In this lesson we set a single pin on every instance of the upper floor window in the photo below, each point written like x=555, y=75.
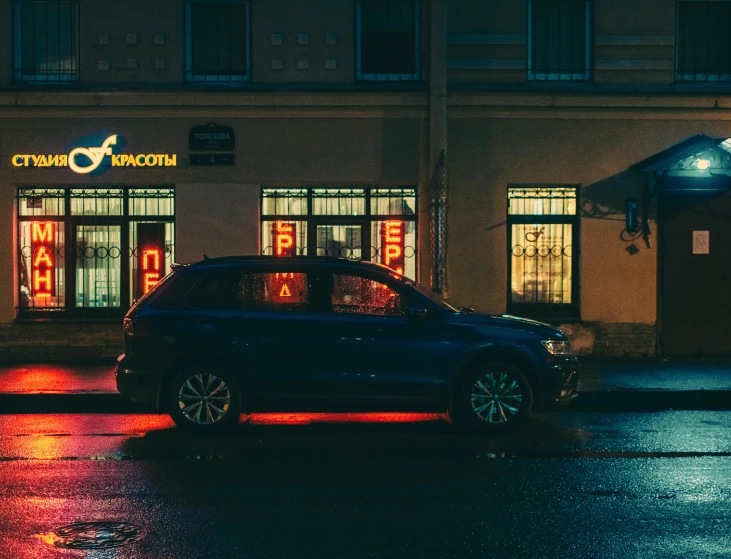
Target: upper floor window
x=702, y=50
x=388, y=39
x=46, y=40
x=217, y=41
x=559, y=40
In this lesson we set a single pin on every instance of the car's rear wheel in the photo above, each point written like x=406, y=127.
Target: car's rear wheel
x=493, y=398
x=204, y=398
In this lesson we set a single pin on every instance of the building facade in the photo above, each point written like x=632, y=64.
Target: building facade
x=555, y=159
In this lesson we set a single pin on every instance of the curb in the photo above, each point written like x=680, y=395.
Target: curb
x=608, y=401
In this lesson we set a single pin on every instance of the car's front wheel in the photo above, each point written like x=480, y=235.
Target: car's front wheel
x=493, y=398
x=204, y=398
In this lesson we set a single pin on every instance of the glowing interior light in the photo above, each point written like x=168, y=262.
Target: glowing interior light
x=703, y=164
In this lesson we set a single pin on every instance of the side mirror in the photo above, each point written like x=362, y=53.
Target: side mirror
x=416, y=311
x=466, y=310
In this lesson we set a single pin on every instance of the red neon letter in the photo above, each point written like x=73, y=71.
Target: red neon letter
x=151, y=280
x=393, y=252
x=155, y=253
x=284, y=237
x=42, y=257
x=38, y=279
x=42, y=232
x=393, y=231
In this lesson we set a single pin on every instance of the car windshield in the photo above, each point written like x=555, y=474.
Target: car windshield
x=428, y=293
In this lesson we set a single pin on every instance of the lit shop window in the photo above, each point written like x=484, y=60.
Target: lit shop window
x=90, y=252
x=375, y=224
x=543, y=231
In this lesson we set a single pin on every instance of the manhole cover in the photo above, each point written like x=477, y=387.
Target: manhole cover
x=94, y=535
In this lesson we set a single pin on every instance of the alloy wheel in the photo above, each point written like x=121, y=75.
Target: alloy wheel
x=496, y=397
x=204, y=399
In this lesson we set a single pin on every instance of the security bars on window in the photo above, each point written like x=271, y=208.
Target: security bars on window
x=217, y=41
x=388, y=37
x=46, y=40
x=81, y=251
x=542, y=233
x=358, y=223
x=559, y=40
x=702, y=51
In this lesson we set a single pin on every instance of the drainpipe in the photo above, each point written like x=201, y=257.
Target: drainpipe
x=438, y=170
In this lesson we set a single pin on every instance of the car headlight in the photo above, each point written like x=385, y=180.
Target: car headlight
x=558, y=347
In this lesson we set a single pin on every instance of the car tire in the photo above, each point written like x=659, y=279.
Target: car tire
x=204, y=398
x=492, y=397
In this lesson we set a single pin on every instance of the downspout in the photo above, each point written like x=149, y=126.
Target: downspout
x=438, y=170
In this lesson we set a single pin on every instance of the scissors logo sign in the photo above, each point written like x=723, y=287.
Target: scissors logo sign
x=96, y=156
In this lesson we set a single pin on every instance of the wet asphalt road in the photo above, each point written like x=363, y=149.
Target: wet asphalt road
x=566, y=485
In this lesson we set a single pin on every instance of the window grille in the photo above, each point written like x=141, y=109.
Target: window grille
x=217, y=46
x=375, y=224
x=89, y=252
x=702, y=51
x=543, y=226
x=388, y=40
x=47, y=40
x=559, y=40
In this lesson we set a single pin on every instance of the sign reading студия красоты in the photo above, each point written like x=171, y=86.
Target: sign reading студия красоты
x=212, y=137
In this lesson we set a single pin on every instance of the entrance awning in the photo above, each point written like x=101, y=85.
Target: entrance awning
x=699, y=156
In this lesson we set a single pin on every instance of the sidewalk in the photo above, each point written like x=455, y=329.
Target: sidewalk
x=622, y=384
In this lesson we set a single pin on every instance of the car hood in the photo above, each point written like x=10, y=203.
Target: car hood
x=512, y=322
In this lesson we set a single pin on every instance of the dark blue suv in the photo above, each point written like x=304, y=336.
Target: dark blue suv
x=228, y=336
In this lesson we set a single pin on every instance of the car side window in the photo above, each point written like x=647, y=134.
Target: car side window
x=221, y=289
x=281, y=291
x=361, y=295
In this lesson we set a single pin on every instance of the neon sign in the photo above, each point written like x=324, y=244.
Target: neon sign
x=150, y=256
x=42, y=240
x=392, y=245
x=95, y=155
x=283, y=238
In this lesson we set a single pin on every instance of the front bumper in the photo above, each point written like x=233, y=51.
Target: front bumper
x=565, y=383
x=135, y=384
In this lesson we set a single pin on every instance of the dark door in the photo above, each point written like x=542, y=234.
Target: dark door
x=696, y=272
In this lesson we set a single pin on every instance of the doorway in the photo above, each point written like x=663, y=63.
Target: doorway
x=695, y=267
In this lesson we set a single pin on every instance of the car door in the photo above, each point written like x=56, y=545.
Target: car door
x=262, y=316
x=380, y=352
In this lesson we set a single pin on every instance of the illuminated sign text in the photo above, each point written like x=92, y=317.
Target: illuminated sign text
x=42, y=263
x=95, y=156
x=150, y=256
x=283, y=238
x=392, y=245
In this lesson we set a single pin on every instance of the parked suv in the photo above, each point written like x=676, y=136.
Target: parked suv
x=228, y=336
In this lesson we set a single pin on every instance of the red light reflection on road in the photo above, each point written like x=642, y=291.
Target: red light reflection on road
x=365, y=417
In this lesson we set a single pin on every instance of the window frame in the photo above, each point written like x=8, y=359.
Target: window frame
x=383, y=77
x=57, y=78
x=549, y=312
x=687, y=77
x=366, y=220
x=70, y=222
x=218, y=79
x=586, y=76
